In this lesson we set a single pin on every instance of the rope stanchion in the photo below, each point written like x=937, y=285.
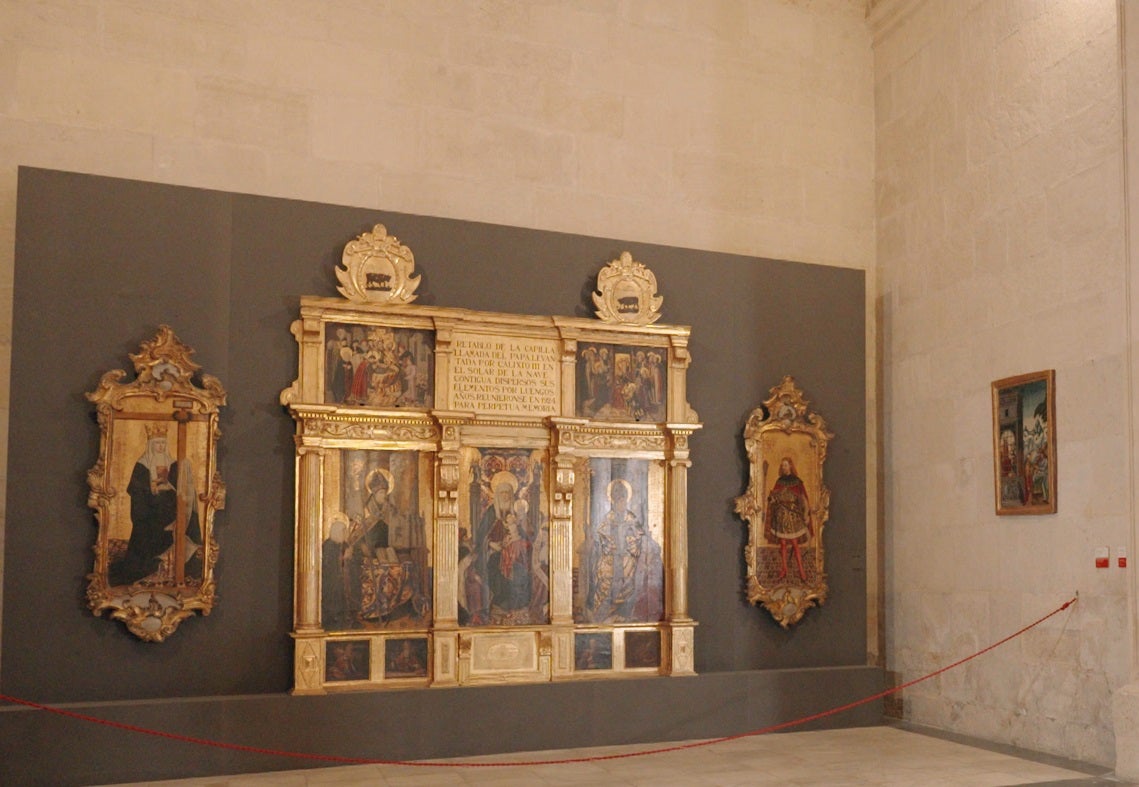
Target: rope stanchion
x=333, y=758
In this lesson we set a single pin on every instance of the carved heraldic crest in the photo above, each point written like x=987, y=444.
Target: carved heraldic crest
x=786, y=505
x=627, y=293
x=377, y=268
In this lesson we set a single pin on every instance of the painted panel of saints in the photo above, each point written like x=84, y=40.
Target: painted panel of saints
x=1025, y=444
x=618, y=547
x=621, y=382
x=377, y=366
x=375, y=558
x=504, y=560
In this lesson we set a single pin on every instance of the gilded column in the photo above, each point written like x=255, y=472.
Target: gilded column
x=444, y=352
x=307, y=534
x=561, y=548
x=308, y=651
x=681, y=626
x=446, y=635
x=561, y=567
x=678, y=409
x=307, y=333
x=569, y=378
x=561, y=542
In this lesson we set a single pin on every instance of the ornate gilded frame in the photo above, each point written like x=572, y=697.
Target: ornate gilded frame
x=496, y=401
x=155, y=490
x=786, y=505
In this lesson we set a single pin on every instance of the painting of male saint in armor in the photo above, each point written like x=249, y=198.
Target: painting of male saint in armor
x=1024, y=443
x=376, y=557
x=377, y=366
x=618, y=574
x=788, y=526
x=504, y=553
x=786, y=504
x=621, y=382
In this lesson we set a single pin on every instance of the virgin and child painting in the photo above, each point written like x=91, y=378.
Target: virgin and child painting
x=504, y=555
x=618, y=553
x=1025, y=444
x=157, y=540
x=377, y=366
x=621, y=382
x=375, y=558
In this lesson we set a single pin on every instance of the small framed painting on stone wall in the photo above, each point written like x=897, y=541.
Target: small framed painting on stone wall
x=1024, y=443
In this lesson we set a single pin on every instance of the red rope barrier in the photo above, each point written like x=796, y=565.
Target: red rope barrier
x=596, y=758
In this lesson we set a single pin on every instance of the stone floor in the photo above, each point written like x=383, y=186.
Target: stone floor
x=897, y=754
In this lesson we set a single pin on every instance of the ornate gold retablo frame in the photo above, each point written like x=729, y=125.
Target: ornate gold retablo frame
x=487, y=498
x=786, y=505
x=155, y=490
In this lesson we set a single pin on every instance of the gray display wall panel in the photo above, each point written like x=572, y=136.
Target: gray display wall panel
x=101, y=262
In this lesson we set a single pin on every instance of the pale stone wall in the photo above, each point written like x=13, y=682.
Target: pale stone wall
x=718, y=124
x=1001, y=251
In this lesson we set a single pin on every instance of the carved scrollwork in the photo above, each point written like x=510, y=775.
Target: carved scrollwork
x=610, y=440
x=291, y=394
x=368, y=430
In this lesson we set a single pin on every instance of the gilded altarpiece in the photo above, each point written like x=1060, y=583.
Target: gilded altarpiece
x=487, y=498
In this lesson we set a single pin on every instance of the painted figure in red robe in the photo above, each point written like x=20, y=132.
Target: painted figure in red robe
x=788, y=521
